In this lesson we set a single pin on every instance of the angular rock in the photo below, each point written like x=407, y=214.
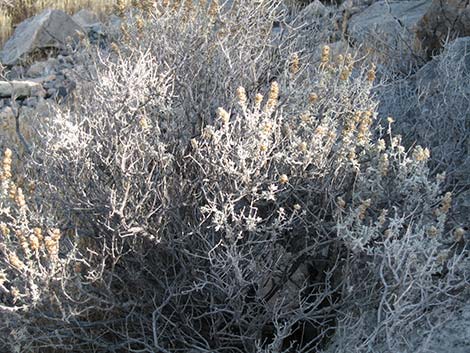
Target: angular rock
x=459, y=50
x=443, y=18
x=91, y=23
x=41, y=68
x=86, y=18
x=394, y=19
x=49, y=29
x=20, y=89
x=315, y=8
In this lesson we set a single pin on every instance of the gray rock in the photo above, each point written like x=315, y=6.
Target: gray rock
x=113, y=26
x=86, y=18
x=459, y=50
x=91, y=23
x=49, y=29
x=20, y=89
x=443, y=19
x=41, y=68
x=45, y=81
x=393, y=18
x=316, y=8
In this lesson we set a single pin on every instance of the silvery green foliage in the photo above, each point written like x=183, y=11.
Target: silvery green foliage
x=213, y=218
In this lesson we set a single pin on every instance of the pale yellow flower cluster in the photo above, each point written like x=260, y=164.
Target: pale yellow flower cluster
x=6, y=165
x=363, y=208
x=258, y=100
x=51, y=241
x=446, y=203
x=371, y=73
x=294, y=64
x=325, y=55
x=224, y=116
x=273, y=96
x=420, y=154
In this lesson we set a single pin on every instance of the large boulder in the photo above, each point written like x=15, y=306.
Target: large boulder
x=442, y=19
x=91, y=23
x=20, y=89
x=386, y=32
x=429, y=76
x=49, y=29
x=390, y=18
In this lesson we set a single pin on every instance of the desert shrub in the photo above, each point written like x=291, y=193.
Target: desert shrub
x=235, y=205
x=433, y=109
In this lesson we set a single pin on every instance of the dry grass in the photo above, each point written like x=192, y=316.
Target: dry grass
x=13, y=12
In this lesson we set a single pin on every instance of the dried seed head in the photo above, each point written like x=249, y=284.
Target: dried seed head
x=312, y=98
x=16, y=262
x=8, y=153
x=55, y=234
x=120, y=8
x=363, y=208
x=341, y=203
x=33, y=243
x=213, y=9
x=294, y=64
x=267, y=128
x=258, y=100
x=382, y=217
x=51, y=245
x=283, y=179
x=38, y=233
x=15, y=293
x=144, y=123
x=139, y=23
x=115, y=47
x=325, y=55
x=303, y=146
x=459, y=234
x=273, y=96
x=371, y=73
x=420, y=154
x=432, y=231
x=194, y=144
x=340, y=59
x=344, y=75
x=224, y=116
x=305, y=118
x=446, y=202
x=6, y=165
x=4, y=230
x=441, y=177
x=241, y=95
x=19, y=199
